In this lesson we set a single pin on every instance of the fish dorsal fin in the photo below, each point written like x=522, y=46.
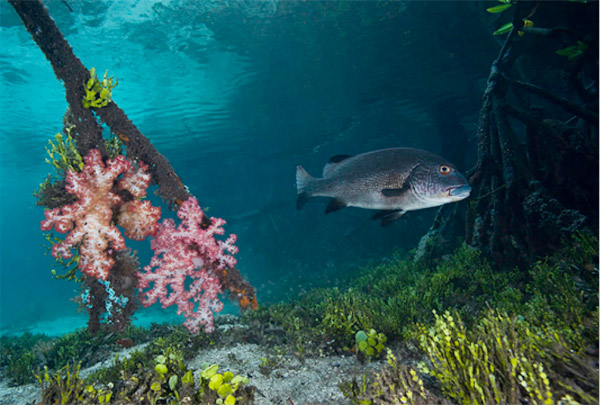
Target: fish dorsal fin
x=334, y=205
x=338, y=158
x=333, y=162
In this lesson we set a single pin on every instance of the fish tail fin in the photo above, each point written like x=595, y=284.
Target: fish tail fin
x=303, y=182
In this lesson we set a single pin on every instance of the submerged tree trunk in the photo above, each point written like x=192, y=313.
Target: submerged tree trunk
x=536, y=177
x=87, y=132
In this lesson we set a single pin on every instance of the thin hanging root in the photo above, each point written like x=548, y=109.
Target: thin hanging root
x=490, y=193
x=567, y=105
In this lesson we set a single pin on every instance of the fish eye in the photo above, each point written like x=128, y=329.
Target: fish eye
x=444, y=169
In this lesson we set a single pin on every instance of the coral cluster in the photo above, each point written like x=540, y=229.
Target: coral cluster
x=89, y=219
x=190, y=268
x=184, y=268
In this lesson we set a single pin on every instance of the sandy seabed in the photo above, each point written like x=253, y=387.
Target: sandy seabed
x=291, y=382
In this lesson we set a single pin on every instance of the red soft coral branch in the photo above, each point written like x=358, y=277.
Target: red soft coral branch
x=90, y=217
x=183, y=269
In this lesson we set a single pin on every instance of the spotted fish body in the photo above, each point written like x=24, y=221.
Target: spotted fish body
x=393, y=181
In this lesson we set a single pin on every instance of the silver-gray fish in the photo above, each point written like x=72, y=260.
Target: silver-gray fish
x=394, y=181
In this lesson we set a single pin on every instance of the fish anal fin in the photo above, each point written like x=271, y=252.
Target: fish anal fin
x=303, y=197
x=382, y=213
x=333, y=162
x=334, y=205
x=391, y=217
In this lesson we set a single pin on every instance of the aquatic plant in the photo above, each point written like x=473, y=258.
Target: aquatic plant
x=340, y=316
x=170, y=376
x=557, y=295
x=168, y=380
x=553, y=322
x=146, y=378
x=114, y=146
x=71, y=265
x=400, y=292
x=506, y=4
x=170, y=345
x=128, y=365
x=269, y=363
x=20, y=366
x=574, y=51
x=563, y=290
x=228, y=387
x=66, y=387
x=502, y=360
x=18, y=356
x=63, y=154
x=391, y=297
x=98, y=93
x=286, y=326
x=51, y=193
x=178, y=338
x=395, y=384
x=369, y=344
x=21, y=356
x=69, y=348
x=322, y=321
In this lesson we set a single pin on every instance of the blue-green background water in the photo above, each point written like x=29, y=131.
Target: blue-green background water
x=235, y=95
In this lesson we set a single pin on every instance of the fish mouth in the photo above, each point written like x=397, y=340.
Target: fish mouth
x=460, y=191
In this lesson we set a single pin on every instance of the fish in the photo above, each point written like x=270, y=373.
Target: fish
x=392, y=181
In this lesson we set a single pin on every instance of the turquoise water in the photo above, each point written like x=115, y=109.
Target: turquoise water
x=235, y=95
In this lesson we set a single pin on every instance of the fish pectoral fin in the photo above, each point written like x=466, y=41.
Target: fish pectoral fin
x=334, y=205
x=394, y=192
x=389, y=216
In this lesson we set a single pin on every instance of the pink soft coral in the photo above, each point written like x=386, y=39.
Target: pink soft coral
x=90, y=217
x=138, y=218
x=183, y=269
